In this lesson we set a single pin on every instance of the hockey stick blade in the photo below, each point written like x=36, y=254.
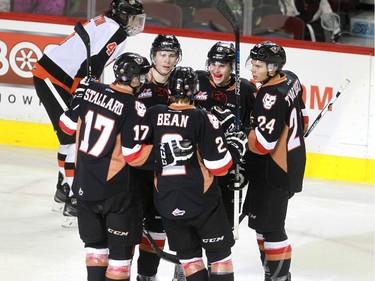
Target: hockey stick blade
x=224, y=9
x=327, y=107
x=161, y=254
x=82, y=33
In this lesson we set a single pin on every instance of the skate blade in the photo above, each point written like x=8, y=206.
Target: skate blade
x=58, y=207
x=69, y=222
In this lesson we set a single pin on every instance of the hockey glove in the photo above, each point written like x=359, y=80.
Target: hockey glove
x=237, y=145
x=175, y=153
x=225, y=117
x=242, y=180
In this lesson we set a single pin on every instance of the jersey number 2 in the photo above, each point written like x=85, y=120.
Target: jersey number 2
x=294, y=140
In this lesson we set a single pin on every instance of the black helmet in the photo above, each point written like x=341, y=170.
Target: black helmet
x=183, y=83
x=222, y=52
x=129, y=65
x=129, y=7
x=124, y=10
x=268, y=52
x=166, y=42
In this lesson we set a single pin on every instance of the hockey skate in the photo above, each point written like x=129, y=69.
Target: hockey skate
x=179, y=274
x=70, y=213
x=61, y=194
x=283, y=278
x=147, y=278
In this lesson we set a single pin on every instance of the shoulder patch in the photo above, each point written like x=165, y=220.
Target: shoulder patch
x=268, y=101
x=214, y=121
x=147, y=93
x=140, y=108
x=201, y=96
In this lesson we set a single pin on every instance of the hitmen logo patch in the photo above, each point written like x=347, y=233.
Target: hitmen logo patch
x=214, y=121
x=269, y=101
x=140, y=108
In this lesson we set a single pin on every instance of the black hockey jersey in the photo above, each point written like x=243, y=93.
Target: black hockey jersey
x=104, y=117
x=154, y=93
x=180, y=189
x=210, y=95
x=277, y=144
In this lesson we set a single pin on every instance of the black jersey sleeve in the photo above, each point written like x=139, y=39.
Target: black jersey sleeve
x=212, y=145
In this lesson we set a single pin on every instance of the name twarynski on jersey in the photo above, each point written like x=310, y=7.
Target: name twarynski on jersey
x=104, y=101
x=293, y=91
x=171, y=119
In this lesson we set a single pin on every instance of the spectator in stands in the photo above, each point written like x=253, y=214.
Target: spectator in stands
x=44, y=7
x=4, y=5
x=310, y=12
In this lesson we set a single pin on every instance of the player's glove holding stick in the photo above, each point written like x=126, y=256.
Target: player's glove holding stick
x=237, y=145
x=225, y=117
x=175, y=153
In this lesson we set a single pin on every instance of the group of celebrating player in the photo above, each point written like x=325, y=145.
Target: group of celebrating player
x=158, y=148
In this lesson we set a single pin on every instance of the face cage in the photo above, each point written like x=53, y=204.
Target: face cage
x=135, y=24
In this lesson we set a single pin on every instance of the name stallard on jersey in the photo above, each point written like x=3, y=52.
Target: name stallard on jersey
x=102, y=100
x=172, y=119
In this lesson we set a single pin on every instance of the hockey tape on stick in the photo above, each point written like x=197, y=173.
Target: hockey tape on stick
x=161, y=254
x=56, y=94
x=224, y=9
x=327, y=107
x=82, y=33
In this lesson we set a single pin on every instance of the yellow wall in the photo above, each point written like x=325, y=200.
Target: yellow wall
x=340, y=168
x=318, y=165
x=28, y=134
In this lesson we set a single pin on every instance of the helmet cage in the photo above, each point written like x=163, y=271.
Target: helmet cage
x=130, y=15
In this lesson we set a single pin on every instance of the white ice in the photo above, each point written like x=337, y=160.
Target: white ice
x=330, y=226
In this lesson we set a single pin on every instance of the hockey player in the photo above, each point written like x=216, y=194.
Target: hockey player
x=109, y=207
x=188, y=197
x=59, y=71
x=165, y=54
x=217, y=94
x=276, y=162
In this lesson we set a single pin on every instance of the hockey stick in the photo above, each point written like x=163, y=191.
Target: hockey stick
x=224, y=9
x=82, y=33
x=163, y=255
x=327, y=107
x=56, y=94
